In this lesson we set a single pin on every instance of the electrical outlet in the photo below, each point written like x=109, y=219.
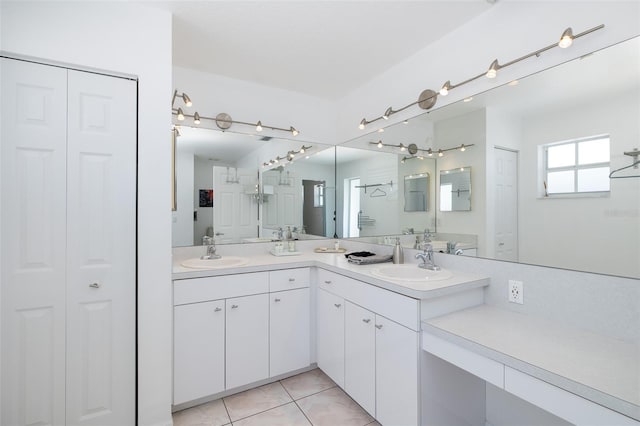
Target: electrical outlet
x=516, y=292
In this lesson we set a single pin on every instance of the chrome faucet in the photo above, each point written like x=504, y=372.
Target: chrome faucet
x=428, y=261
x=210, y=242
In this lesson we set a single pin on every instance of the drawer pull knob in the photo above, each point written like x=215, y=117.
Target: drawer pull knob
x=379, y=326
x=291, y=280
x=218, y=309
x=94, y=285
x=366, y=320
x=276, y=300
x=337, y=305
x=327, y=282
x=234, y=306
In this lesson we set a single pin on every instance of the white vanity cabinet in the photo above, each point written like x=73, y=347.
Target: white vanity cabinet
x=247, y=340
x=330, y=335
x=289, y=320
x=198, y=343
x=372, y=357
x=220, y=334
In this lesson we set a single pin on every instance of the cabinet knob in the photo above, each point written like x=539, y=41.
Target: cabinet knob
x=337, y=305
x=327, y=281
x=94, y=285
x=217, y=309
x=234, y=306
x=291, y=280
x=366, y=320
x=276, y=300
x=379, y=326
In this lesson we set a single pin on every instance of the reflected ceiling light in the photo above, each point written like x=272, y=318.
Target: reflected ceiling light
x=427, y=98
x=196, y=118
x=463, y=148
x=259, y=126
x=302, y=150
x=513, y=83
x=405, y=122
x=492, y=72
x=293, y=130
x=566, y=39
x=402, y=147
x=380, y=144
x=187, y=100
x=180, y=115
x=468, y=99
x=445, y=89
x=381, y=130
x=430, y=152
x=440, y=153
x=403, y=160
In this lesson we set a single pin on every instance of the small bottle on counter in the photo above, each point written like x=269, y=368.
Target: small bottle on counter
x=336, y=245
x=398, y=253
x=292, y=245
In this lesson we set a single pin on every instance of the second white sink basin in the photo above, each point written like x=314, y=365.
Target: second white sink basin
x=410, y=272
x=223, y=262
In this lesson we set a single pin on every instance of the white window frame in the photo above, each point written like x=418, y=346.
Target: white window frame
x=575, y=167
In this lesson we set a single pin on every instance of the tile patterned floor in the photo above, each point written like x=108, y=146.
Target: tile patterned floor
x=308, y=399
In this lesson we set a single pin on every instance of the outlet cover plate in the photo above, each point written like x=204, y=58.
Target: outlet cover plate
x=516, y=292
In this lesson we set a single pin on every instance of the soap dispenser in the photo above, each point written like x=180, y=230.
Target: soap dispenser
x=398, y=254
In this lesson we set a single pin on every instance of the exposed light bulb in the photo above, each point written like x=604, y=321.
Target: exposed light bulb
x=379, y=144
x=291, y=155
x=430, y=152
x=566, y=39
x=259, y=126
x=402, y=148
x=276, y=160
x=187, y=100
x=468, y=99
x=180, y=115
x=493, y=69
x=405, y=122
x=196, y=118
x=362, y=124
x=302, y=150
x=463, y=148
x=293, y=131
x=402, y=161
x=445, y=88
x=387, y=113
x=420, y=157
x=440, y=153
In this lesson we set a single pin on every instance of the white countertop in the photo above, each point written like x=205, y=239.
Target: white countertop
x=599, y=368
x=338, y=263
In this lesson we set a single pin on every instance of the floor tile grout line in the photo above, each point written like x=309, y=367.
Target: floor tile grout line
x=315, y=393
x=224, y=404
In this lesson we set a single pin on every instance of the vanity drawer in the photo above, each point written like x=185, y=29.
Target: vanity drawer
x=396, y=307
x=221, y=287
x=289, y=279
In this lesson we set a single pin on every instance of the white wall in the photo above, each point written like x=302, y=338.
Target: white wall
x=125, y=38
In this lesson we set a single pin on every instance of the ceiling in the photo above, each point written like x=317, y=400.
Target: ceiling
x=321, y=48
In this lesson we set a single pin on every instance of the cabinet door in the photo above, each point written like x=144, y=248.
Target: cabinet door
x=359, y=356
x=33, y=228
x=247, y=339
x=330, y=336
x=289, y=331
x=198, y=350
x=396, y=373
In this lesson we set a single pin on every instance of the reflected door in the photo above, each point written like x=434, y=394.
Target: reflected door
x=313, y=212
x=235, y=214
x=506, y=208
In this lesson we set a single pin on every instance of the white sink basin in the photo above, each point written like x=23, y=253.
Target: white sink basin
x=223, y=262
x=410, y=273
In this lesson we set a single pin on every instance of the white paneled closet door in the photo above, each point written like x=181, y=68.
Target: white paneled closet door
x=33, y=287
x=68, y=246
x=101, y=249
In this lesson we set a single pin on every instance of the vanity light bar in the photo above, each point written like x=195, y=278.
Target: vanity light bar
x=224, y=121
x=413, y=149
x=289, y=157
x=427, y=98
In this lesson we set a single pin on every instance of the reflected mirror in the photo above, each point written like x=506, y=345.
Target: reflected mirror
x=416, y=196
x=225, y=187
x=455, y=190
x=512, y=214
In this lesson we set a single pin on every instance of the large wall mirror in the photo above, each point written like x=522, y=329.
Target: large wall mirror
x=229, y=186
x=593, y=226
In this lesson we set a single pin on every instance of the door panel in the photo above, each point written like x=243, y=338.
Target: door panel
x=506, y=208
x=360, y=356
x=289, y=347
x=33, y=163
x=330, y=335
x=101, y=288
